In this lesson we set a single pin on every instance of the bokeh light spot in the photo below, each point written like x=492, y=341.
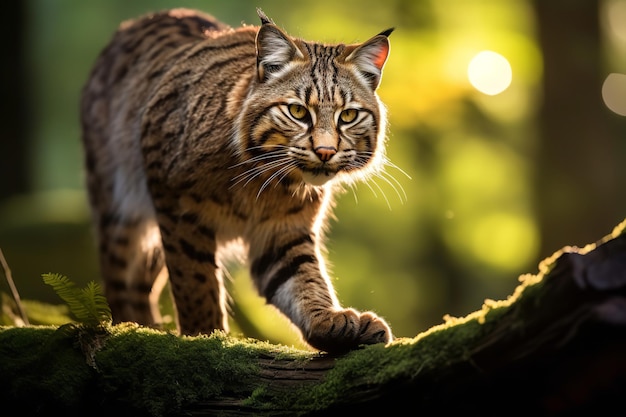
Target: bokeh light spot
x=614, y=93
x=614, y=15
x=489, y=72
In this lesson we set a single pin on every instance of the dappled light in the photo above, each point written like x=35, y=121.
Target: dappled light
x=614, y=93
x=500, y=240
x=614, y=16
x=490, y=226
x=489, y=72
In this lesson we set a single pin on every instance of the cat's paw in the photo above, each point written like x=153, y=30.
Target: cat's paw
x=343, y=330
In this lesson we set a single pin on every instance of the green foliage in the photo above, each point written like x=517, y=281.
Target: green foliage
x=88, y=305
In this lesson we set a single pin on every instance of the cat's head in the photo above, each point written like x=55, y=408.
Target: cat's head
x=312, y=113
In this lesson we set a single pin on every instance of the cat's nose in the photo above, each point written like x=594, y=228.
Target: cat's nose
x=324, y=153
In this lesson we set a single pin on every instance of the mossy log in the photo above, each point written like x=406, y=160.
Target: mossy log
x=556, y=346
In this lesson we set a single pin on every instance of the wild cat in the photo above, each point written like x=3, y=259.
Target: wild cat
x=197, y=135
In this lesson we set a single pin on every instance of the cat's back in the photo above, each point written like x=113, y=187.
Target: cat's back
x=150, y=40
x=144, y=51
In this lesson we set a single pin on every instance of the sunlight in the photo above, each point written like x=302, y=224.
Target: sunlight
x=613, y=14
x=489, y=72
x=614, y=93
x=504, y=240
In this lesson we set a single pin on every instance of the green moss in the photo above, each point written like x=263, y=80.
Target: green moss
x=42, y=369
x=402, y=360
x=160, y=372
x=140, y=369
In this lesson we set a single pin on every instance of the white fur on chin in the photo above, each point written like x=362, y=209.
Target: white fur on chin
x=317, y=179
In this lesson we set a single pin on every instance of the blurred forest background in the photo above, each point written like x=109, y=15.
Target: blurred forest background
x=510, y=157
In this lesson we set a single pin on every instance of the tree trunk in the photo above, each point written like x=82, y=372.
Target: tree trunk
x=580, y=168
x=14, y=117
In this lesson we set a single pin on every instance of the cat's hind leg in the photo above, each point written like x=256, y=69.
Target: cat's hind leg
x=132, y=261
x=133, y=269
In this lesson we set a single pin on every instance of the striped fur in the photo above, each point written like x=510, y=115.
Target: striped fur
x=198, y=135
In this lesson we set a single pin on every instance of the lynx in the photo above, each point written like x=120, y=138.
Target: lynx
x=198, y=136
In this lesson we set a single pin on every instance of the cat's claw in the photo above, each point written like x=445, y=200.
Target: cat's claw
x=344, y=330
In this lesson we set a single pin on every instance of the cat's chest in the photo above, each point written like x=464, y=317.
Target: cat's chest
x=237, y=211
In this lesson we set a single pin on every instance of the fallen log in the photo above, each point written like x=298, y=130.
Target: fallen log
x=556, y=346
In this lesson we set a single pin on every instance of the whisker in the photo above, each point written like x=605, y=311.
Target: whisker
x=286, y=169
x=297, y=189
x=385, y=162
x=382, y=192
x=267, y=147
x=371, y=188
x=267, y=182
x=262, y=168
x=260, y=158
x=385, y=177
x=254, y=172
x=392, y=165
x=353, y=189
x=390, y=177
x=266, y=169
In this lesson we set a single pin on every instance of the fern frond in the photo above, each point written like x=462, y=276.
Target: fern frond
x=65, y=289
x=88, y=305
x=95, y=304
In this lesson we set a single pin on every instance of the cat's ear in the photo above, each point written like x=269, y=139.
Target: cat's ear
x=369, y=58
x=274, y=49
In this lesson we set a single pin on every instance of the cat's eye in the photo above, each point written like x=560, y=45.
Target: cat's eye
x=297, y=111
x=348, y=115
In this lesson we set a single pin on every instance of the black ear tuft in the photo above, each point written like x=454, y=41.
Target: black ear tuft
x=387, y=32
x=264, y=19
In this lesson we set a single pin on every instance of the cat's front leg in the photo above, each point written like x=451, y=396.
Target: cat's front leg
x=292, y=277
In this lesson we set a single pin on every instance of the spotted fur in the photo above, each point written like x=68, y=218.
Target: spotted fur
x=198, y=135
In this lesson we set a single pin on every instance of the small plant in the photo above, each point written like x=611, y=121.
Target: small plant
x=88, y=305
x=91, y=310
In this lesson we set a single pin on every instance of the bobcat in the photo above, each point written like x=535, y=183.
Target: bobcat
x=198, y=135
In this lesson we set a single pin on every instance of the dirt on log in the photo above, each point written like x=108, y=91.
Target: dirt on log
x=555, y=347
